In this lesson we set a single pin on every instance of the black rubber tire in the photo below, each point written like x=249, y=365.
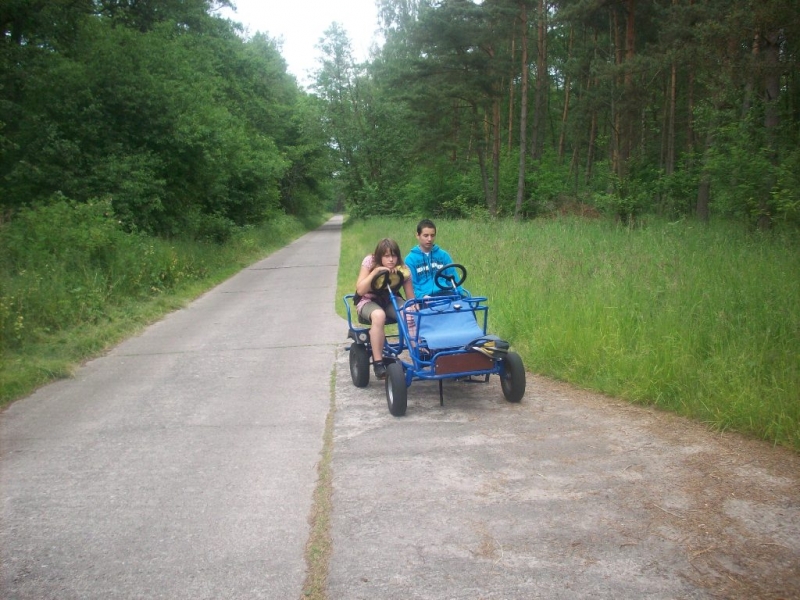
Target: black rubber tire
x=512, y=379
x=396, y=389
x=359, y=365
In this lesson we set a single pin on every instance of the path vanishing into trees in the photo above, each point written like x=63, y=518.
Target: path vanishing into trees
x=182, y=464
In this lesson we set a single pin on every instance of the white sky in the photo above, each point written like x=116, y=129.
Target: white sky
x=301, y=23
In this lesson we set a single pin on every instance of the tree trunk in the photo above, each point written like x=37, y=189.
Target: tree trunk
x=616, y=140
x=546, y=83
x=690, y=108
x=673, y=95
x=541, y=77
x=590, y=149
x=565, y=113
x=511, y=93
x=495, y=155
x=772, y=89
x=479, y=146
x=750, y=85
x=662, y=158
x=690, y=113
x=629, y=113
x=523, y=117
x=456, y=128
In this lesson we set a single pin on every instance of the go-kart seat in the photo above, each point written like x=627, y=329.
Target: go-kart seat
x=451, y=325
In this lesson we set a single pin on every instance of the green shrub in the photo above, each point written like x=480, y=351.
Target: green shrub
x=69, y=233
x=73, y=282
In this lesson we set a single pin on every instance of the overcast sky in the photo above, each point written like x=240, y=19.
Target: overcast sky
x=301, y=24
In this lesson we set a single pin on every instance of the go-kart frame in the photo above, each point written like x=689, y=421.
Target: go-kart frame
x=438, y=337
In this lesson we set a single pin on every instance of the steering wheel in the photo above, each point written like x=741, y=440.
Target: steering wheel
x=383, y=280
x=445, y=281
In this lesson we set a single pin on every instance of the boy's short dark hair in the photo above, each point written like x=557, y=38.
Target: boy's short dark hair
x=425, y=223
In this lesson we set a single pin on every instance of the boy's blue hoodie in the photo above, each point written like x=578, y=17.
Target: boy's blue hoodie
x=424, y=266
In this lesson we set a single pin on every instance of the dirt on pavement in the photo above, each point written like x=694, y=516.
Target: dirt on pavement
x=731, y=504
x=569, y=494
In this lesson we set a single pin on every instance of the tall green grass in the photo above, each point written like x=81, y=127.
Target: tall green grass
x=702, y=321
x=72, y=283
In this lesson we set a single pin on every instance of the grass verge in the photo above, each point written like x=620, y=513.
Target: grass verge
x=318, y=548
x=53, y=339
x=701, y=321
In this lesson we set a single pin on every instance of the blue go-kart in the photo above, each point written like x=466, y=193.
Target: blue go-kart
x=438, y=337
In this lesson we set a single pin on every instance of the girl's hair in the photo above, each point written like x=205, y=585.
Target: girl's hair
x=387, y=245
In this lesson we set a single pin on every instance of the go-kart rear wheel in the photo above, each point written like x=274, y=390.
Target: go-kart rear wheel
x=359, y=365
x=512, y=379
x=396, y=390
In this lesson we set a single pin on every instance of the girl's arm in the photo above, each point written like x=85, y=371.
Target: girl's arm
x=365, y=277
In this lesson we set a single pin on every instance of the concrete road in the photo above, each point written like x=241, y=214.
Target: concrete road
x=567, y=495
x=182, y=464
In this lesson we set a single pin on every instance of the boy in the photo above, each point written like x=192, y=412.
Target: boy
x=425, y=259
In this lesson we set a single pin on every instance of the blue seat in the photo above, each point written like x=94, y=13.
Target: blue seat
x=446, y=326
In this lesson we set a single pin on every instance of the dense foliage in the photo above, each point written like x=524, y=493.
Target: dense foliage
x=73, y=282
x=146, y=150
x=158, y=108
x=518, y=107
x=499, y=107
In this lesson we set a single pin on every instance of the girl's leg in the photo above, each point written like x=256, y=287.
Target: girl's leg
x=377, y=335
x=376, y=316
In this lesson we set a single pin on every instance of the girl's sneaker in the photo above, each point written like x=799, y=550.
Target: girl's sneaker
x=380, y=370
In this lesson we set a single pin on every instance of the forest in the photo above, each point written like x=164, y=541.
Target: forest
x=679, y=108
x=158, y=108
x=501, y=108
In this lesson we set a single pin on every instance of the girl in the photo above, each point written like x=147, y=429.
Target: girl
x=374, y=307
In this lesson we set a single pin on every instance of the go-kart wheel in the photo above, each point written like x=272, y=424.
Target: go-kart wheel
x=446, y=281
x=359, y=365
x=512, y=377
x=396, y=390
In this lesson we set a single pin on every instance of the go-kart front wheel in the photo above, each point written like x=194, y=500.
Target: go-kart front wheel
x=359, y=365
x=396, y=389
x=512, y=378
